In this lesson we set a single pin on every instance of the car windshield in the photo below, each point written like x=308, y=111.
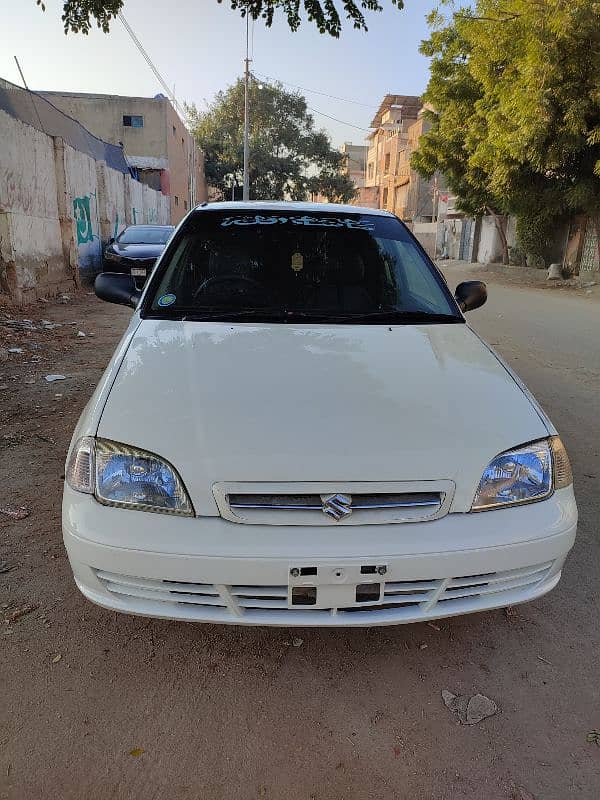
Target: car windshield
x=142, y=234
x=284, y=266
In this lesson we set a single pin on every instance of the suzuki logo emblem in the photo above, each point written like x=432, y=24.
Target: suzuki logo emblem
x=337, y=506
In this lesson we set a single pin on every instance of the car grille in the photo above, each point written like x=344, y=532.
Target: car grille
x=144, y=263
x=345, y=508
x=395, y=600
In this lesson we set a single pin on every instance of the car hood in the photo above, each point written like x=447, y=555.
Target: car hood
x=229, y=402
x=138, y=250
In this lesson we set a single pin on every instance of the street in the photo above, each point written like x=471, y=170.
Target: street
x=99, y=705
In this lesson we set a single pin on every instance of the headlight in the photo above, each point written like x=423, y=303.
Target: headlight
x=110, y=256
x=120, y=475
x=524, y=475
x=80, y=466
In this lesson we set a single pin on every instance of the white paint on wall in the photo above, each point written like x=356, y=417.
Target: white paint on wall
x=490, y=244
x=43, y=249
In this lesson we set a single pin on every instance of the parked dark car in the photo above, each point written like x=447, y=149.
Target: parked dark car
x=136, y=249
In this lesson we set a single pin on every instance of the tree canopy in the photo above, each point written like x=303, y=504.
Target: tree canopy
x=289, y=157
x=515, y=93
x=80, y=15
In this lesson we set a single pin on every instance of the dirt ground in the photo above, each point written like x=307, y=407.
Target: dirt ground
x=98, y=705
x=583, y=285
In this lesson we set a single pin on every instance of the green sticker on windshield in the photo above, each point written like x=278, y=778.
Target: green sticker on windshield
x=166, y=300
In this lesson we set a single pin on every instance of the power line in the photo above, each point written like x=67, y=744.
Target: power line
x=148, y=60
x=175, y=102
x=323, y=94
x=341, y=121
x=323, y=114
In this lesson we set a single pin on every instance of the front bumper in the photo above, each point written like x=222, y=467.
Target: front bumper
x=126, y=267
x=211, y=570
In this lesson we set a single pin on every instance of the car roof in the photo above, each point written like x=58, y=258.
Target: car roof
x=289, y=205
x=150, y=225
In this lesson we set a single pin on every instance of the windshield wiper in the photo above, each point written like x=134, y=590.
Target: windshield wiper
x=388, y=316
x=224, y=315
x=278, y=314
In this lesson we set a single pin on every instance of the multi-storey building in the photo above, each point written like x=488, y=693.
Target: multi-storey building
x=397, y=127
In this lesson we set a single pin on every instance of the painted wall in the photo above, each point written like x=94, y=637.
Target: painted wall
x=135, y=203
x=426, y=233
x=82, y=202
x=112, y=186
x=30, y=238
x=58, y=209
x=490, y=244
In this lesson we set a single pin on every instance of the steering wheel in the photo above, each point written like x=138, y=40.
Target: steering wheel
x=217, y=279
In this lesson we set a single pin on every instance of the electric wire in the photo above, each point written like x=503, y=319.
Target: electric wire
x=316, y=110
x=316, y=91
x=148, y=60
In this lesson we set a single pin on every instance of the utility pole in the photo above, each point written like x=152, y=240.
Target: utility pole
x=246, y=193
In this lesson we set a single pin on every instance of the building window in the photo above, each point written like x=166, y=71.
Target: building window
x=176, y=200
x=174, y=130
x=132, y=121
x=386, y=166
x=182, y=142
x=385, y=197
x=185, y=204
x=370, y=170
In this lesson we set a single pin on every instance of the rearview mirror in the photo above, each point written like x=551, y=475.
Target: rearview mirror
x=116, y=287
x=470, y=295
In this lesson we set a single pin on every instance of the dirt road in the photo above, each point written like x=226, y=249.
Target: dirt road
x=96, y=705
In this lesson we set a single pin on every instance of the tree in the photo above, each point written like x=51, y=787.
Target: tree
x=288, y=157
x=79, y=15
x=516, y=89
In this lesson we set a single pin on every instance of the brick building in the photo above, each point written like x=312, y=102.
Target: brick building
x=397, y=127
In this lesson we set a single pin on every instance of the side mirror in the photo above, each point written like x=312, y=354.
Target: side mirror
x=470, y=295
x=116, y=287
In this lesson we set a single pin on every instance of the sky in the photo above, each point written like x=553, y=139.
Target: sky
x=198, y=47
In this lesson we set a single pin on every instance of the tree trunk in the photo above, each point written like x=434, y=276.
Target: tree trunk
x=498, y=219
x=596, y=220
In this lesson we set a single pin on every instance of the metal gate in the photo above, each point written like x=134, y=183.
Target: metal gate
x=590, y=261
x=464, y=251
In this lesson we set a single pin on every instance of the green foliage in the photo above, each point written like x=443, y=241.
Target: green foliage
x=288, y=157
x=323, y=13
x=516, y=89
x=79, y=15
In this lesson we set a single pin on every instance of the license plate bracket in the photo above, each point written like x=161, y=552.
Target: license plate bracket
x=335, y=586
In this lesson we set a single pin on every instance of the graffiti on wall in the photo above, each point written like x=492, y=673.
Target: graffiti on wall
x=87, y=232
x=83, y=218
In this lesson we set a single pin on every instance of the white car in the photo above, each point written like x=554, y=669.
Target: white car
x=300, y=428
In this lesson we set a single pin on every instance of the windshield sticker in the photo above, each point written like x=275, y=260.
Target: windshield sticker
x=297, y=262
x=166, y=300
x=306, y=221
